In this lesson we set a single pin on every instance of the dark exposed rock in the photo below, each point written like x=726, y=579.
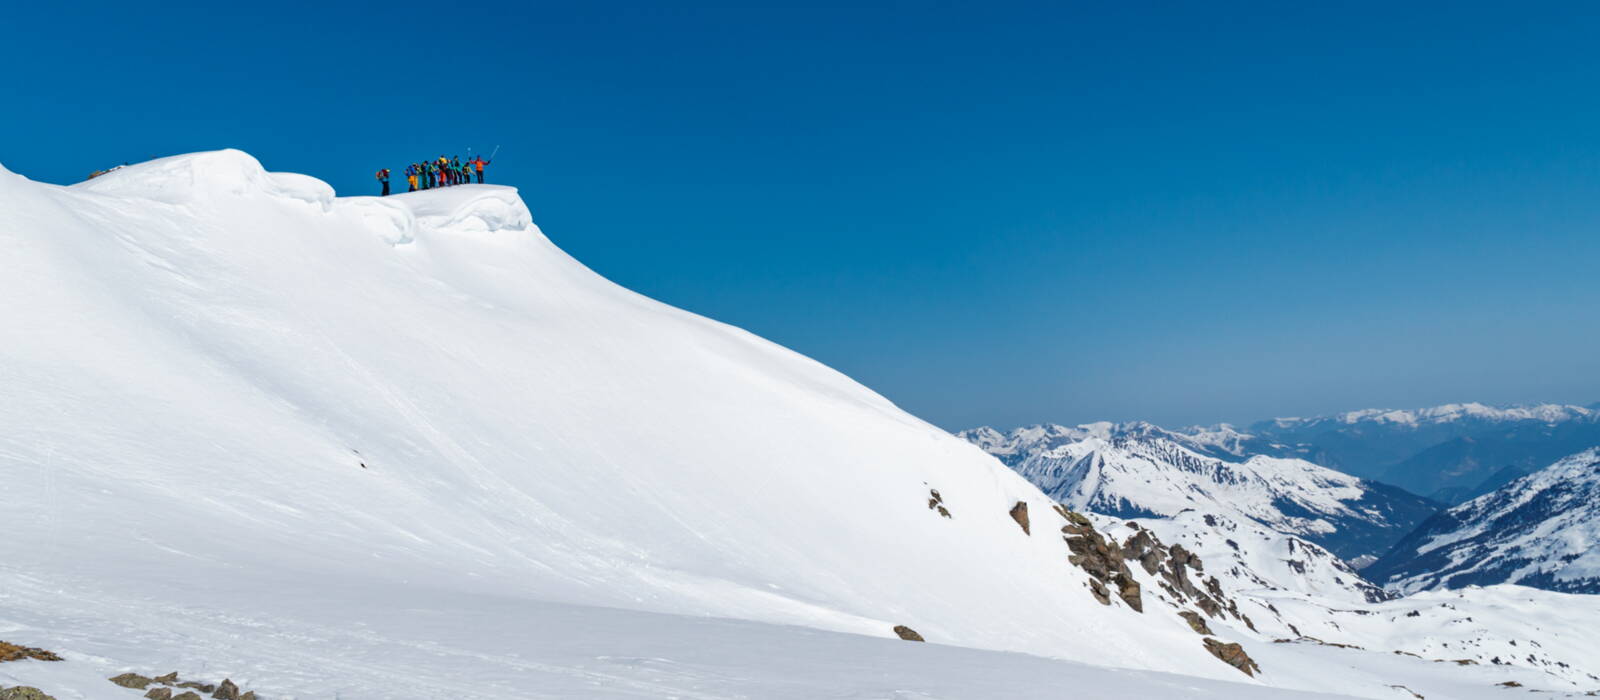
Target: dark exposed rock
x=1196, y=622
x=1128, y=591
x=187, y=695
x=936, y=503
x=132, y=680
x=1019, y=513
x=1233, y=655
x=248, y=696
x=226, y=691
x=202, y=687
x=24, y=692
x=168, y=679
x=159, y=693
x=908, y=634
x=1098, y=590
x=16, y=652
x=1102, y=559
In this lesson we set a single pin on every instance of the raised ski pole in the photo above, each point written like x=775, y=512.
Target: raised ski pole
x=496, y=150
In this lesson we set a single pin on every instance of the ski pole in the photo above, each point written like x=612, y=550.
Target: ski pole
x=496, y=150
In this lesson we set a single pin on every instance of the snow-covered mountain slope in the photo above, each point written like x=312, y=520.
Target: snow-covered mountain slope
x=1251, y=558
x=229, y=389
x=1133, y=471
x=1537, y=531
x=1449, y=453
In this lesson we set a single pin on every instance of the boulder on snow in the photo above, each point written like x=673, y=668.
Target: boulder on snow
x=1019, y=513
x=159, y=693
x=226, y=691
x=132, y=680
x=251, y=695
x=1233, y=655
x=17, y=652
x=936, y=502
x=202, y=687
x=168, y=679
x=187, y=695
x=908, y=634
x=23, y=692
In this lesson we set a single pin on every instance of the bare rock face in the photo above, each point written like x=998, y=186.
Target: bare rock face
x=1196, y=622
x=169, y=679
x=132, y=680
x=1177, y=569
x=1019, y=513
x=226, y=691
x=24, y=692
x=1101, y=558
x=1233, y=655
x=159, y=693
x=17, y=652
x=187, y=695
x=908, y=634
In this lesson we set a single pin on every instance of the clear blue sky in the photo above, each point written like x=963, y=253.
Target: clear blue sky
x=991, y=213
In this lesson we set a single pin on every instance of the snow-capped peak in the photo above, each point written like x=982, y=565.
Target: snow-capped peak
x=1548, y=413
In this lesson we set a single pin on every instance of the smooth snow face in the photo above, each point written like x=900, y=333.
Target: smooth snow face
x=219, y=378
x=1138, y=470
x=1539, y=530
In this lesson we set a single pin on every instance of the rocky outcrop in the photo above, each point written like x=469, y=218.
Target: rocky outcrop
x=1019, y=513
x=167, y=685
x=226, y=691
x=1102, y=559
x=24, y=692
x=936, y=503
x=1233, y=655
x=1196, y=623
x=908, y=634
x=132, y=680
x=1177, y=569
x=17, y=652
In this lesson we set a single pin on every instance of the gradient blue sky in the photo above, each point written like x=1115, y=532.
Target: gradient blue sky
x=992, y=213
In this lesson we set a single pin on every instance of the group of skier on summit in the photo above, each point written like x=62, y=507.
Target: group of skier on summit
x=440, y=172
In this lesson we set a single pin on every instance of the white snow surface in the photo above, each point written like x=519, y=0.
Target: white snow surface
x=405, y=447
x=227, y=381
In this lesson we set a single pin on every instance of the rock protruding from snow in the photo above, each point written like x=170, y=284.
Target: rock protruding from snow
x=1541, y=530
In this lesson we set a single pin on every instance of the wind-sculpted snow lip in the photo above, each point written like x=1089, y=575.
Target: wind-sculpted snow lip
x=198, y=177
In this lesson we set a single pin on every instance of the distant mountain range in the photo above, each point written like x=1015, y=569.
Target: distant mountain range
x=1449, y=453
x=1140, y=470
x=1539, y=530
